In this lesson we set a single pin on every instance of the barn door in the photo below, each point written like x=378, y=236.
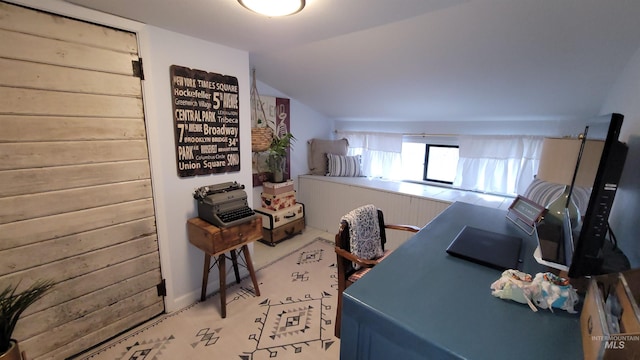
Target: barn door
x=76, y=202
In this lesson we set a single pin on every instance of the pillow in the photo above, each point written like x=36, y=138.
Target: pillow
x=339, y=165
x=543, y=192
x=318, y=149
x=581, y=197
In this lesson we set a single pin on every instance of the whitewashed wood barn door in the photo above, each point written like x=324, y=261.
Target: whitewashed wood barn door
x=76, y=203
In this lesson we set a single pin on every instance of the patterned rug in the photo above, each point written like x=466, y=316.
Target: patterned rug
x=292, y=319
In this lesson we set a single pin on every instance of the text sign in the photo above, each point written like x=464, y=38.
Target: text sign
x=206, y=118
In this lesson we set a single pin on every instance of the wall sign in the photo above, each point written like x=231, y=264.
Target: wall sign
x=278, y=118
x=206, y=117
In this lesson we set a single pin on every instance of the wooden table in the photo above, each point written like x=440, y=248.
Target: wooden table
x=216, y=242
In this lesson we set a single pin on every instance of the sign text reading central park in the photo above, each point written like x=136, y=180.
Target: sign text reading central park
x=206, y=119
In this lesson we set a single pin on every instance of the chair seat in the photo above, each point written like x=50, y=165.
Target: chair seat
x=361, y=272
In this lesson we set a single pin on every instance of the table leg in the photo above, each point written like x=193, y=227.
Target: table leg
x=222, y=269
x=234, y=259
x=205, y=276
x=247, y=258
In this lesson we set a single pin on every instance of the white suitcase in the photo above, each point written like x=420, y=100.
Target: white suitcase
x=272, y=219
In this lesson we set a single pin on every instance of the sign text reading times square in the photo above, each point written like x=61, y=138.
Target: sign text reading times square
x=196, y=107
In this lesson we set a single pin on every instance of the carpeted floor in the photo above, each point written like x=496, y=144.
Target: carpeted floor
x=292, y=319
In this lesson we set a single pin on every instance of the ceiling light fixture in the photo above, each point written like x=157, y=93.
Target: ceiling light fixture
x=273, y=7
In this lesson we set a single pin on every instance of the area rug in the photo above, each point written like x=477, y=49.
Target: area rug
x=292, y=319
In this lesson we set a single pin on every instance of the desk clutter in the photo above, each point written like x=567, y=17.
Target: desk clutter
x=282, y=215
x=545, y=290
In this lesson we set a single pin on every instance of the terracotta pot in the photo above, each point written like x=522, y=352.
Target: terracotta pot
x=13, y=353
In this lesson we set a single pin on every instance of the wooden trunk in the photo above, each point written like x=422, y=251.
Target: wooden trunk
x=214, y=240
x=274, y=236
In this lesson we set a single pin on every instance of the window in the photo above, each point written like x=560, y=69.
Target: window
x=441, y=163
x=427, y=159
x=496, y=164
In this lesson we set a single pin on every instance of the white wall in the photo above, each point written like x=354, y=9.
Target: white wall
x=623, y=98
x=181, y=263
x=625, y=215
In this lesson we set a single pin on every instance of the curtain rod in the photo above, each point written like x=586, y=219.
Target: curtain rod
x=403, y=134
x=445, y=135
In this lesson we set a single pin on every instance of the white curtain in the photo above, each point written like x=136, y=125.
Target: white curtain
x=497, y=164
x=381, y=153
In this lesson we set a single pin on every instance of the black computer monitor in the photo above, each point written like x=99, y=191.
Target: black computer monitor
x=589, y=241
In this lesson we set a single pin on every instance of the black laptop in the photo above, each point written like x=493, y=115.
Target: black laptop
x=488, y=248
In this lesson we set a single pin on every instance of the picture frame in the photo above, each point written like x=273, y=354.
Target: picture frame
x=525, y=213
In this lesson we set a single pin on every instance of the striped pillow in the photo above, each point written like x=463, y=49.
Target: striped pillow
x=543, y=192
x=339, y=165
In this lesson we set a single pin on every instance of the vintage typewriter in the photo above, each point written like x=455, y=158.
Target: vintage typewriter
x=223, y=204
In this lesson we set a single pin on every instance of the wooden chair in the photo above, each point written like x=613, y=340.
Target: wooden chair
x=347, y=275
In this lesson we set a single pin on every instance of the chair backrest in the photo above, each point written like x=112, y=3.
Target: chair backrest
x=344, y=242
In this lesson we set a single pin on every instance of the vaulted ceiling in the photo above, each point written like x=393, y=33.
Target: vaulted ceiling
x=421, y=60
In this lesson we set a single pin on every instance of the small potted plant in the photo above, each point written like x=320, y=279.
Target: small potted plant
x=277, y=160
x=12, y=305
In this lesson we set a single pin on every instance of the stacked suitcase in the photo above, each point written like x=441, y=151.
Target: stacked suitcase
x=282, y=215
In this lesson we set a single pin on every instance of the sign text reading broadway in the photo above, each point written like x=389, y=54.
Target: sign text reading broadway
x=206, y=118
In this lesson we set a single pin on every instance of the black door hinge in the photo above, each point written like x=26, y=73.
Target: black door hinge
x=162, y=288
x=137, y=68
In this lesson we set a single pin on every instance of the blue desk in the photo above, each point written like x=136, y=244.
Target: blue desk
x=421, y=303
